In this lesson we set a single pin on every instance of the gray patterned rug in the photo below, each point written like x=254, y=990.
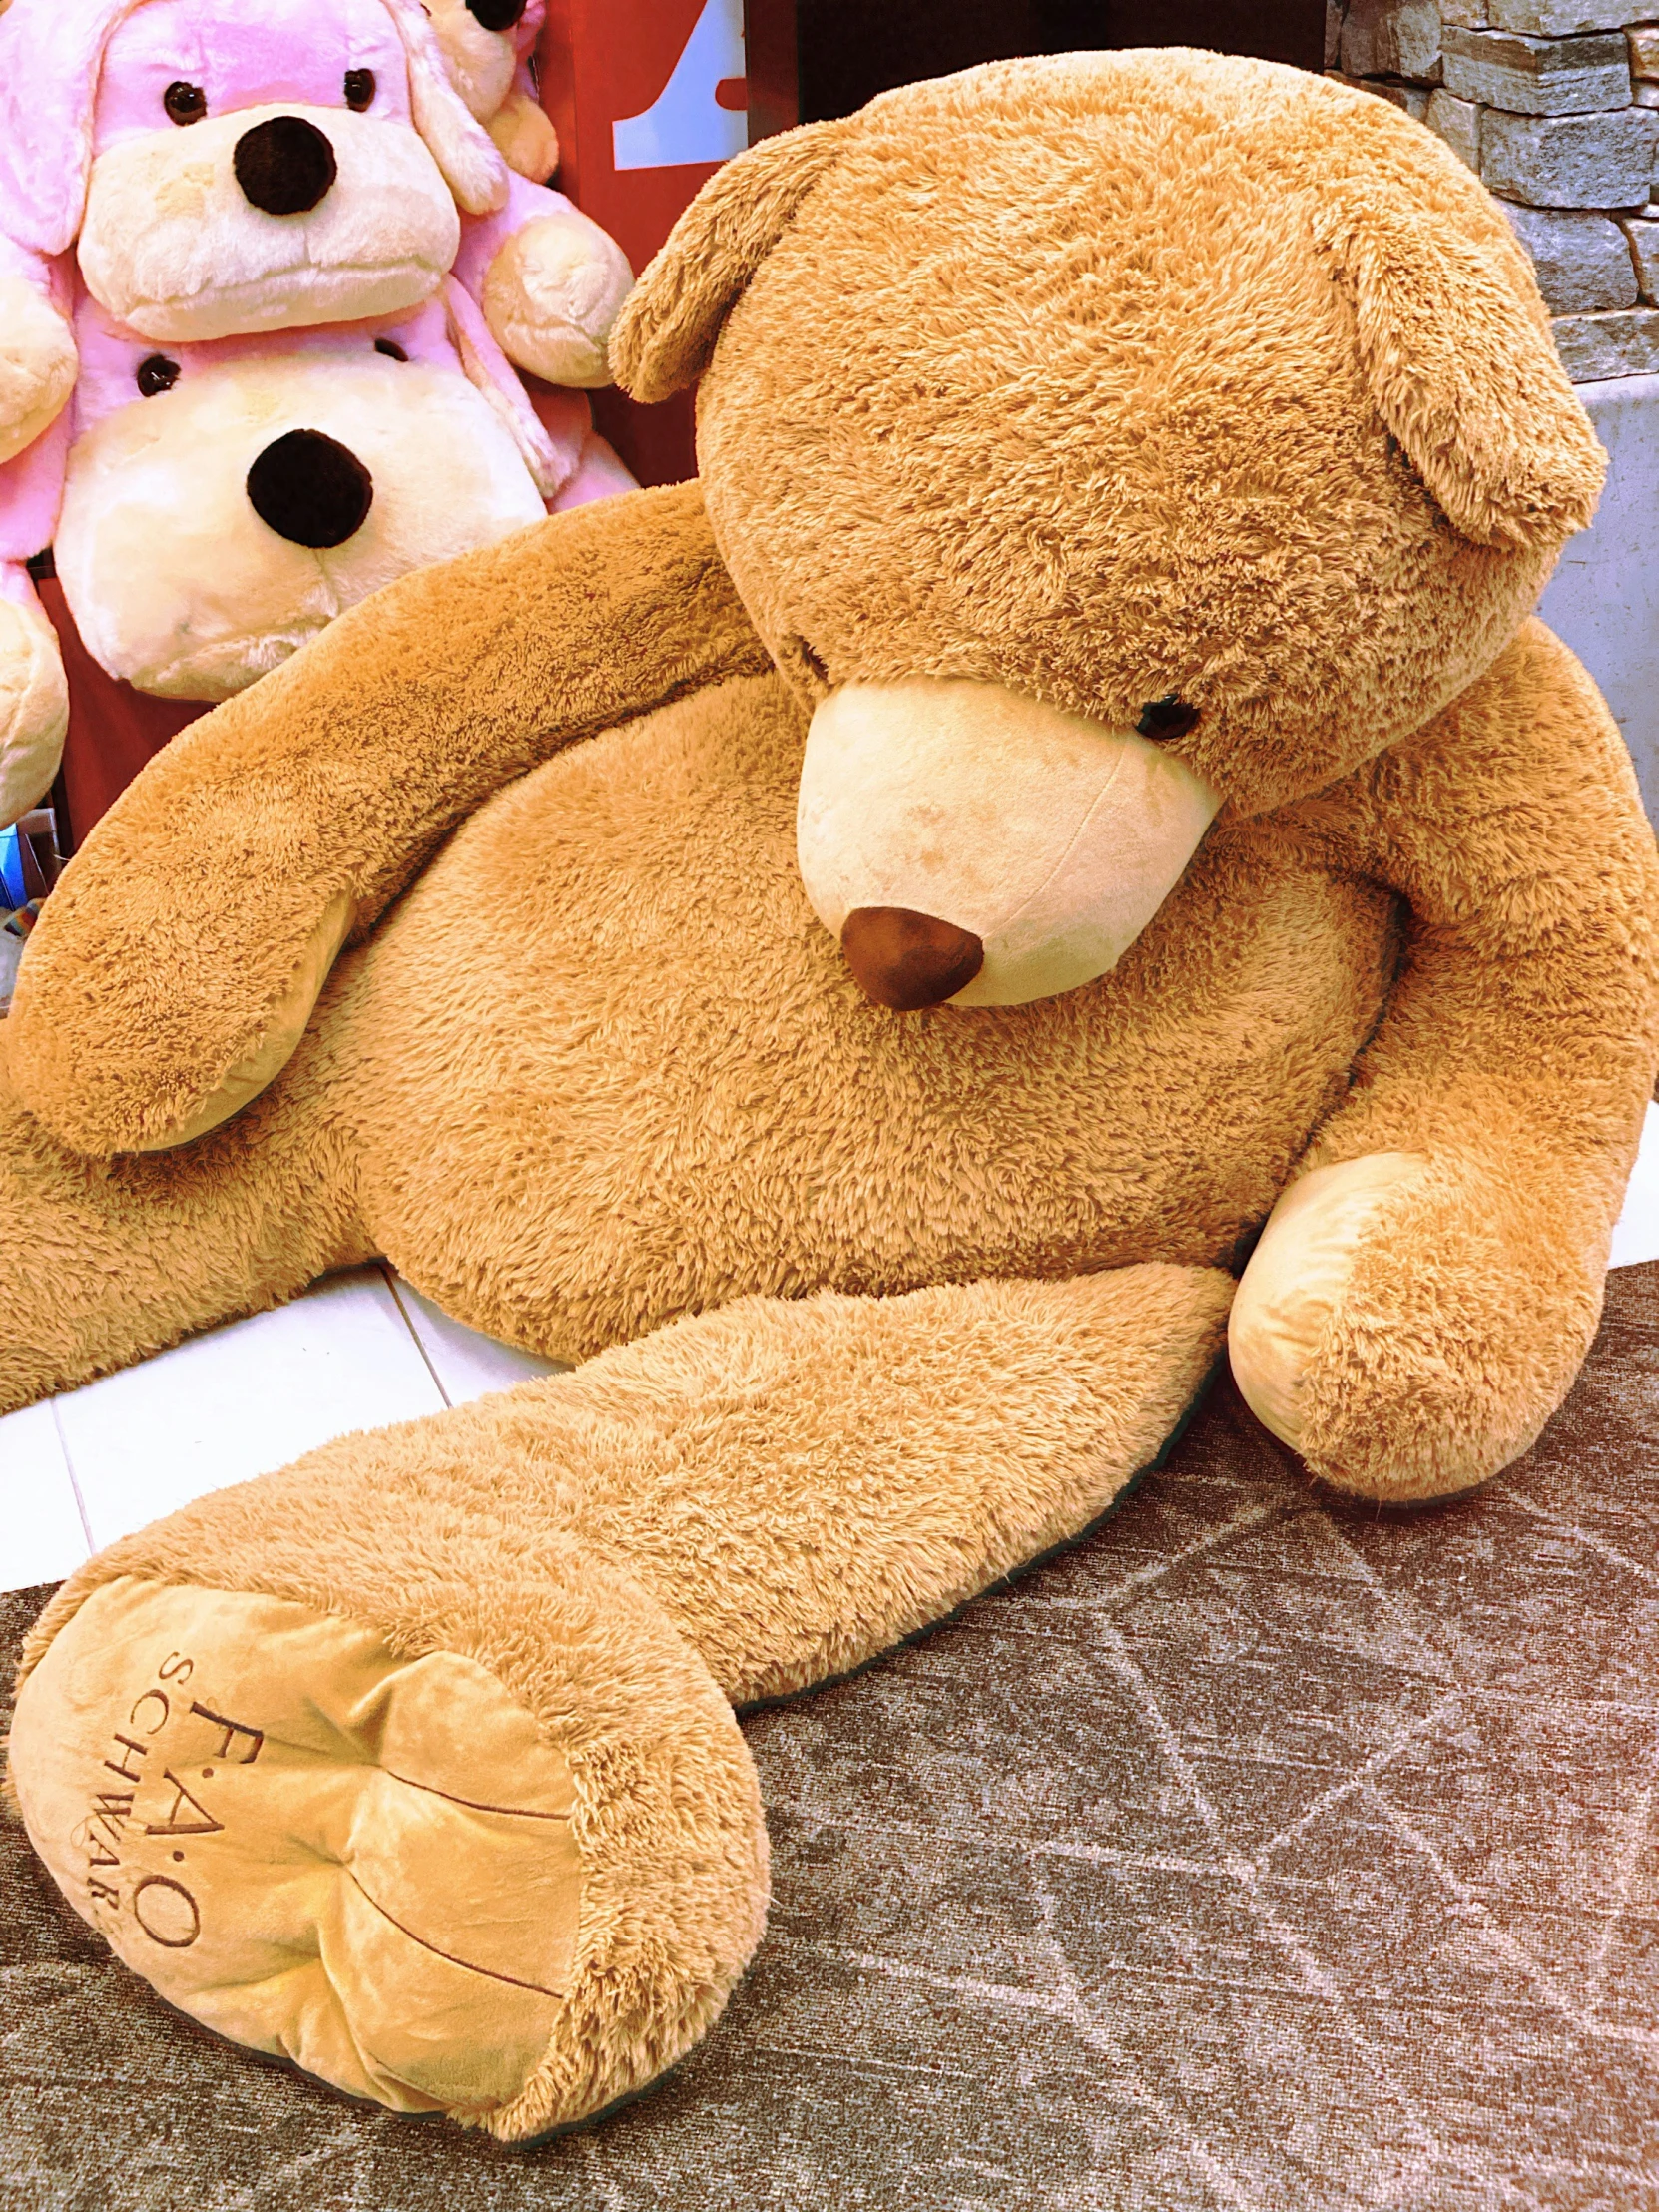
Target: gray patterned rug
x=1260, y=1853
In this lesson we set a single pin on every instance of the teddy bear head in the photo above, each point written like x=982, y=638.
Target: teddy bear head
x=222, y=170
x=1097, y=442
x=482, y=41
x=489, y=47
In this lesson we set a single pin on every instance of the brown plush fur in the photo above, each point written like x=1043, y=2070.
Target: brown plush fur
x=345, y=778
x=1099, y=379
x=784, y=1488
x=1198, y=444
x=665, y=1089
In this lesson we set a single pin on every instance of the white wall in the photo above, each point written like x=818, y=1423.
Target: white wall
x=1604, y=598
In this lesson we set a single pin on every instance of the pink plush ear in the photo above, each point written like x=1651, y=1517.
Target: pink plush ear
x=469, y=157
x=31, y=493
x=487, y=370
x=49, y=52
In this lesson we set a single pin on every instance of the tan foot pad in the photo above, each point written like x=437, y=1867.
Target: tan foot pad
x=360, y=1863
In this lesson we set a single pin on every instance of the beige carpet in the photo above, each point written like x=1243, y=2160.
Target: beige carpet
x=1256, y=1854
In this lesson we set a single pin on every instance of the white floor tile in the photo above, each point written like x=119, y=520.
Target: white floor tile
x=466, y=1365
x=42, y=1535
x=1637, y=1236
x=241, y=1401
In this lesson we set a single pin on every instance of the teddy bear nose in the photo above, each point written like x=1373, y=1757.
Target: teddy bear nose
x=285, y=165
x=907, y=960
x=311, y=489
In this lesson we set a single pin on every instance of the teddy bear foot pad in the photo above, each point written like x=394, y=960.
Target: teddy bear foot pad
x=361, y=1863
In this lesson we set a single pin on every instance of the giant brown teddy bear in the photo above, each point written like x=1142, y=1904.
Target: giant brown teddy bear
x=1106, y=612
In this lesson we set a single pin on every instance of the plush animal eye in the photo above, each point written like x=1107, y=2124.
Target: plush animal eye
x=496, y=15
x=155, y=373
x=359, y=89
x=391, y=350
x=185, y=103
x=1162, y=719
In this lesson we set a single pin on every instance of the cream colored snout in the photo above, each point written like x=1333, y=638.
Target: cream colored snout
x=181, y=587
x=173, y=247
x=1048, y=840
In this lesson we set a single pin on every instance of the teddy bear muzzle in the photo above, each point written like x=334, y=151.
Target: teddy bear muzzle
x=970, y=846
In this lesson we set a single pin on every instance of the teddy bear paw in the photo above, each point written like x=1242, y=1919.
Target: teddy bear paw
x=34, y=708
x=38, y=364
x=375, y=1865
x=551, y=296
x=1409, y=1322
x=1298, y=1278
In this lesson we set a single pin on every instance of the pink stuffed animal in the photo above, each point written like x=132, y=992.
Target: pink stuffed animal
x=263, y=280
x=487, y=45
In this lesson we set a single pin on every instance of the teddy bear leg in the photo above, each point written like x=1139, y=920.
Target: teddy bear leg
x=110, y=1260
x=416, y=1763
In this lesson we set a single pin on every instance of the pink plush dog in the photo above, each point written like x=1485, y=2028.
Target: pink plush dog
x=263, y=278
x=487, y=45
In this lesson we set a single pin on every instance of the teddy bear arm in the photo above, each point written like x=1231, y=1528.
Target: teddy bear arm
x=551, y=284
x=177, y=959
x=38, y=357
x=1425, y=1292
x=34, y=693
x=117, y=1260
x=523, y=132
x=34, y=696
x=455, y=1726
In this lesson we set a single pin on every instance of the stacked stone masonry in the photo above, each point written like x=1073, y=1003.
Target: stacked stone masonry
x=1554, y=104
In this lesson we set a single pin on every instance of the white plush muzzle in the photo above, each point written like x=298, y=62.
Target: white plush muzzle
x=181, y=588
x=172, y=249
x=1052, y=838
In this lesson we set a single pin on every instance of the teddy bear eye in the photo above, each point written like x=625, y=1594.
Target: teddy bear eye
x=155, y=373
x=390, y=349
x=496, y=15
x=359, y=89
x=185, y=103
x=1162, y=719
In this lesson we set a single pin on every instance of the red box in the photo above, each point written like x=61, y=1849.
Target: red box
x=648, y=97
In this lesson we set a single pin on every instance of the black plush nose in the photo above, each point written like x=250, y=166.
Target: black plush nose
x=907, y=960
x=311, y=489
x=497, y=15
x=285, y=165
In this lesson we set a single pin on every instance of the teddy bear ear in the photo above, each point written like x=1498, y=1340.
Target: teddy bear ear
x=666, y=331
x=1455, y=344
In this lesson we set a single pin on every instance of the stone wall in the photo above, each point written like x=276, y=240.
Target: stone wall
x=1556, y=106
